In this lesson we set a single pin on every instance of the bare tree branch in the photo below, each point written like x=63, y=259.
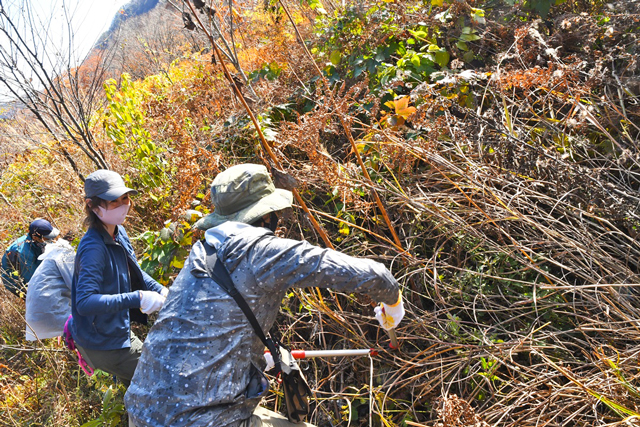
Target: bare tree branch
x=57, y=89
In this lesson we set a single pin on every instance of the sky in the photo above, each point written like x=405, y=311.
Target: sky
x=49, y=22
x=89, y=19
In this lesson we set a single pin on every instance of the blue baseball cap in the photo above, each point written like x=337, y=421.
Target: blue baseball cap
x=105, y=184
x=43, y=228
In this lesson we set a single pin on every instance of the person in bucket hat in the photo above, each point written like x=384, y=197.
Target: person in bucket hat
x=202, y=361
x=20, y=260
x=109, y=289
x=244, y=193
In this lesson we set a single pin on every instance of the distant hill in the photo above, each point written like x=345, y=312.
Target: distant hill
x=132, y=9
x=8, y=110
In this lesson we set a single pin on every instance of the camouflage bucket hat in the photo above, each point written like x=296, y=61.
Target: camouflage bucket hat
x=244, y=193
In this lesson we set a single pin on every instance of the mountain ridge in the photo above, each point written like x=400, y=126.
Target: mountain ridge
x=130, y=10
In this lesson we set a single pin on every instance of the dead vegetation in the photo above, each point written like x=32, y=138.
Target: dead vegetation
x=511, y=182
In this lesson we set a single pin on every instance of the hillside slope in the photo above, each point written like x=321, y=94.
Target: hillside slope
x=486, y=152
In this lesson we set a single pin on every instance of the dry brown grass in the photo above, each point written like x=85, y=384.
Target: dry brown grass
x=517, y=209
x=520, y=214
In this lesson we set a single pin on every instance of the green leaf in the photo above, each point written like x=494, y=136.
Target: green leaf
x=165, y=235
x=541, y=6
x=165, y=257
x=442, y=58
x=477, y=16
x=469, y=37
x=330, y=70
x=419, y=34
x=108, y=395
x=468, y=56
x=335, y=57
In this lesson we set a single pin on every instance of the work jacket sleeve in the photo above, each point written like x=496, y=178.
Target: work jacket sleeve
x=150, y=283
x=90, y=299
x=10, y=265
x=16, y=270
x=282, y=263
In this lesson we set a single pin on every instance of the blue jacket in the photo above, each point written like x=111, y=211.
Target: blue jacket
x=105, y=287
x=22, y=258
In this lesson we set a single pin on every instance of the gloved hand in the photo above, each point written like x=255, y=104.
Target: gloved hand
x=150, y=301
x=389, y=316
x=164, y=292
x=270, y=363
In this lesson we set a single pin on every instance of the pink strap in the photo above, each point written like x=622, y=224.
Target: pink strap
x=71, y=345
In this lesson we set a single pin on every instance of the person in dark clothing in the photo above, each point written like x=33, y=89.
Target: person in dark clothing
x=20, y=260
x=109, y=289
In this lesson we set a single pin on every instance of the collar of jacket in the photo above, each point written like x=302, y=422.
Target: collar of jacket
x=106, y=237
x=217, y=235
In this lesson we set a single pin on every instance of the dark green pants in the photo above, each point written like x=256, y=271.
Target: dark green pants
x=121, y=363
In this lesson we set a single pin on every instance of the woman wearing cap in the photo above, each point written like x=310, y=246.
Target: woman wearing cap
x=202, y=364
x=20, y=260
x=109, y=288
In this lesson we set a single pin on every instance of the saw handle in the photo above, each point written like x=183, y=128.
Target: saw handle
x=306, y=354
x=393, y=343
x=393, y=339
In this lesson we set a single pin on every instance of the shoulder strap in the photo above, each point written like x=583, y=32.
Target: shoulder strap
x=218, y=272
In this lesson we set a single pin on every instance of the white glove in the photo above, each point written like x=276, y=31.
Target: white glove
x=270, y=363
x=389, y=316
x=150, y=301
x=164, y=292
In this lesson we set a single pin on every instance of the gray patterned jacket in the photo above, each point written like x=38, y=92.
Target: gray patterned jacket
x=202, y=354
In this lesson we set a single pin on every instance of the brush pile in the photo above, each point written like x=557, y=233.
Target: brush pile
x=513, y=188
x=487, y=152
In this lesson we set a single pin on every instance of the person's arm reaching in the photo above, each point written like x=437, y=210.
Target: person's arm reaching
x=150, y=284
x=10, y=269
x=151, y=301
x=288, y=263
x=89, y=299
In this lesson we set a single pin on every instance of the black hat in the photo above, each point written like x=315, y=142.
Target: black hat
x=43, y=228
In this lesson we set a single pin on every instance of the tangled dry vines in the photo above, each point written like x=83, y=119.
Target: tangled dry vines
x=513, y=188
x=520, y=211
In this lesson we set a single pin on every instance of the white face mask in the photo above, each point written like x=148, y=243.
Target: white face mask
x=113, y=216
